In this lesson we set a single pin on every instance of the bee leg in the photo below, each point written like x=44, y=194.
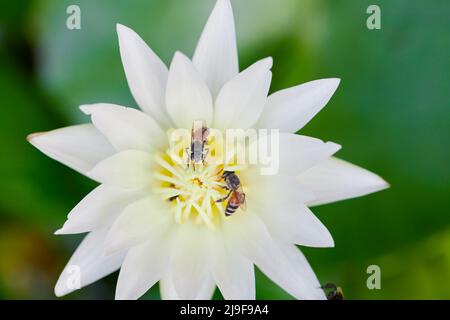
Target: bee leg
x=225, y=198
x=220, y=171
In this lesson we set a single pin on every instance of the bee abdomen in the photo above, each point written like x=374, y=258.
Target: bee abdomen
x=231, y=208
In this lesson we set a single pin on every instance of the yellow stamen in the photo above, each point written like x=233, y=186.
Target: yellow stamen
x=191, y=193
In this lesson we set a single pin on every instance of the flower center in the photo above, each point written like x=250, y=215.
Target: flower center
x=192, y=190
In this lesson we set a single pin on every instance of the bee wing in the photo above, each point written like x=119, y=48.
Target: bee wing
x=243, y=205
x=192, y=132
x=205, y=134
x=241, y=195
x=197, y=130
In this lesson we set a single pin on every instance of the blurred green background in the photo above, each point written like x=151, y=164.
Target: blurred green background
x=391, y=114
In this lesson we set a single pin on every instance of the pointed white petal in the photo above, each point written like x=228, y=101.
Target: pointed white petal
x=146, y=74
x=144, y=265
x=283, y=187
x=289, y=154
x=187, y=96
x=299, y=153
x=279, y=201
x=144, y=220
x=334, y=180
x=241, y=100
x=191, y=258
x=233, y=273
x=127, y=169
x=126, y=128
x=298, y=261
x=99, y=209
x=249, y=235
x=216, y=55
x=295, y=223
x=168, y=292
x=291, y=109
x=88, y=264
x=167, y=288
x=79, y=147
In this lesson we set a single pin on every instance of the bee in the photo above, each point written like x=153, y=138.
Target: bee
x=235, y=195
x=199, y=138
x=335, y=292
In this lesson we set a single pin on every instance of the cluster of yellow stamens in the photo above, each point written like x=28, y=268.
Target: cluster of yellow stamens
x=192, y=190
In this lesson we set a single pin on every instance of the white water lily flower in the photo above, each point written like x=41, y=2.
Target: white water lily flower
x=155, y=220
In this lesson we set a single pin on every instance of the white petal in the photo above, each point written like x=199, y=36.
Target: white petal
x=187, y=96
x=335, y=180
x=216, y=56
x=167, y=288
x=191, y=258
x=142, y=221
x=127, y=169
x=146, y=74
x=168, y=292
x=291, y=109
x=99, y=209
x=240, y=102
x=291, y=154
x=298, y=153
x=249, y=235
x=279, y=201
x=298, y=261
x=79, y=147
x=283, y=187
x=126, y=128
x=295, y=223
x=233, y=273
x=144, y=265
x=88, y=264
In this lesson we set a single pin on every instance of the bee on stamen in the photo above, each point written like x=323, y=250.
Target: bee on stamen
x=199, y=138
x=235, y=195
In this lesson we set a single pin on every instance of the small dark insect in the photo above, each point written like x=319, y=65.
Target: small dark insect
x=334, y=293
x=236, y=195
x=173, y=198
x=199, y=137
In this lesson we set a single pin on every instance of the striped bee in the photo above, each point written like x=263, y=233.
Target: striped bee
x=235, y=195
